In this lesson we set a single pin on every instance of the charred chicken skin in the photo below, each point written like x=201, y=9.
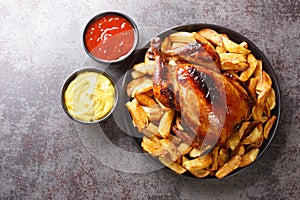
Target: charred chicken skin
x=188, y=79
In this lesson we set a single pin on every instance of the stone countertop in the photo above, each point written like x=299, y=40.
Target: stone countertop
x=45, y=155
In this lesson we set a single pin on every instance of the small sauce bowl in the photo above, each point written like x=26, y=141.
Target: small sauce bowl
x=110, y=37
x=89, y=95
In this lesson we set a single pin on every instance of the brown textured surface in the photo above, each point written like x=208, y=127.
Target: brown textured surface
x=45, y=155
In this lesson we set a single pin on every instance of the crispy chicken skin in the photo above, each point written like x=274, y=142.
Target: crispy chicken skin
x=210, y=105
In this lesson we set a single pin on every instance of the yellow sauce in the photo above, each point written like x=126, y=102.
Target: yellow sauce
x=90, y=96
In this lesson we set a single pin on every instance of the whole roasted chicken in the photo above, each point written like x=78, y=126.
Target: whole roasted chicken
x=210, y=104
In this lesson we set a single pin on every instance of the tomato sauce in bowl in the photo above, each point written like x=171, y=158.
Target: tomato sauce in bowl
x=110, y=37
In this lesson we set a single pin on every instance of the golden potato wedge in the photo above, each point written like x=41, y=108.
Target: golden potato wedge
x=254, y=136
x=134, y=84
x=182, y=37
x=234, y=65
x=197, y=152
x=233, y=47
x=168, y=145
x=229, y=166
x=252, y=87
x=145, y=68
x=268, y=126
x=233, y=141
x=233, y=57
x=249, y=157
x=239, y=150
x=198, y=163
x=154, y=113
x=153, y=147
x=263, y=96
x=184, y=148
x=165, y=123
x=257, y=113
x=244, y=44
x=214, y=156
x=135, y=74
x=220, y=49
x=212, y=36
x=243, y=128
x=272, y=99
x=145, y=86
x=223, y=157
x=151, y=130
x=139, y=116
x=172, y=165
x=199, y=173
x=245, y=75
x=145, y=100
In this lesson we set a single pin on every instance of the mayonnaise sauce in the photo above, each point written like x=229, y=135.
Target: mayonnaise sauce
x=90, y=96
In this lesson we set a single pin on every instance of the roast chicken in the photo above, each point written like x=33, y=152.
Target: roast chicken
x=188, y=79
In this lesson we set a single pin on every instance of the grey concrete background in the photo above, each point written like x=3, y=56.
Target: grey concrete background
x=45, y=155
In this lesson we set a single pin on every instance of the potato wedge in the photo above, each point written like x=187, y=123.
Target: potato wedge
x=199, y=173
x=153, y=147
x=145, y=86
x=249, y=157
x=215, y=156
x=172, y=165
x=233, y=47
x=134, y=84
x=212, y=36
x=245, y=75
x=234, y=65
x=198, y=163
x=145, y=100
x=139, y=116
x=145, y=68
x=184, y=148
x=268, y=126
x=239, y=150
x=229, y=166
x=165, y=123
x=168, y=145
x=254, y=135
x=233, y=57
x=223, y=157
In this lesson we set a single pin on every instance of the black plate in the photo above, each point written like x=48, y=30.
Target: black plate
x=234, y=36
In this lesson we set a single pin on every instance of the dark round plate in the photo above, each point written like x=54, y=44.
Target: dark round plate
x=234, y=36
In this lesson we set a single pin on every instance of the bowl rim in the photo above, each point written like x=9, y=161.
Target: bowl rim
x=135, y=29
x=72, y=76
x=255, y=51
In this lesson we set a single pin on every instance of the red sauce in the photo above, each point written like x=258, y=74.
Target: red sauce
x=109, y=37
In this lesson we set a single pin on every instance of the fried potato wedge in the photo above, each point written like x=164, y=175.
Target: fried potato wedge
x=239, y=150
x=215, y=156
x=145, y=68
x=184, y=148
x=172, y=165
x=234, y=65
x=249, y=157
x=168, y=145
x=223, y=157
x=153, y=147
x=245, y=75
x=228, y=167
x=233, y=47
x=182, y=37
x=165, y=123
x=145, y=86
x=198, y=163
x=254, y=135
x=151, y=130
x=138, y=115
x=145, y=100
x=134, y=84
x=199, y=173
x=212, y=36
x=233, y=57
x=268, y=126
